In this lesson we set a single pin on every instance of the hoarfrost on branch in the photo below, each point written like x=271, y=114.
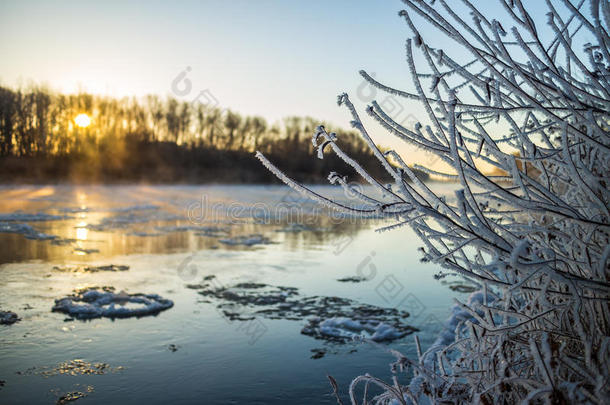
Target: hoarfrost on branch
x=532, y=103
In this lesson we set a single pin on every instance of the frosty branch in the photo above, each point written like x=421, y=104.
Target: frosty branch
x=533, y=103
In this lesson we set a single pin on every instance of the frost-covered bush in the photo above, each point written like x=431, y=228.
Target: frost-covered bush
x=532, y=104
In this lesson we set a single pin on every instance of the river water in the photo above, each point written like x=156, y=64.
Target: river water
x=178, y=242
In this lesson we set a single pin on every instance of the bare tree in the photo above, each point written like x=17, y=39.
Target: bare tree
x=535, y=106
x=232, y=124
x=7, y=121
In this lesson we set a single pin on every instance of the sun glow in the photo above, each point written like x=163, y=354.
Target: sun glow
x=82, y=120
x=81, y=231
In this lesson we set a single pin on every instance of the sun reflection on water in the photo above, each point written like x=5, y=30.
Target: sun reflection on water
x=81, y=231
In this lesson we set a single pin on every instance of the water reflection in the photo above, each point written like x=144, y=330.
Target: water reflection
x=101, y=221
x=81, y=231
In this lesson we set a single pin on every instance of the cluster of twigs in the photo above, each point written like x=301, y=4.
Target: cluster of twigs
x=535, y=237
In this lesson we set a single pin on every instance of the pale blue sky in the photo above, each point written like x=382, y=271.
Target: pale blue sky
x=270, y=58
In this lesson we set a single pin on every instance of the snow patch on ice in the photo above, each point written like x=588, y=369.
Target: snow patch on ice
x=447, y=336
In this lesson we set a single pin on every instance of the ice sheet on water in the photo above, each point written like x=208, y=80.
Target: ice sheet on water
x=26, y=230
x=97, y=303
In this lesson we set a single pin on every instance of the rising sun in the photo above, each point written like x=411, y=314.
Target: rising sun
x=82, y=120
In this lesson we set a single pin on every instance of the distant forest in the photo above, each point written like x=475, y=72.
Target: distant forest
x=156, y=140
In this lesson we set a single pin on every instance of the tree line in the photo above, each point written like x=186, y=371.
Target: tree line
x=152, y=138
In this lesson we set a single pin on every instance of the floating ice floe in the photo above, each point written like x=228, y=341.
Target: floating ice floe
x=70, y=397
x=127, y=218
x=144, y=234
x=212, y=231
x=379, y=325
x=295, y=228
x=62, y=241
x=352, y=279
x=347, y=328
x=91, y=269
x=74, y=210
x=461, y=286
x=95, y=303
x=246, y=240
x=83, y=251
x=24, y=217
x=328, y=318
x=26, y=230
x=118, y=221
x=199, y=229
x=143, y=207
x=72, y=367
x=8, y=318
